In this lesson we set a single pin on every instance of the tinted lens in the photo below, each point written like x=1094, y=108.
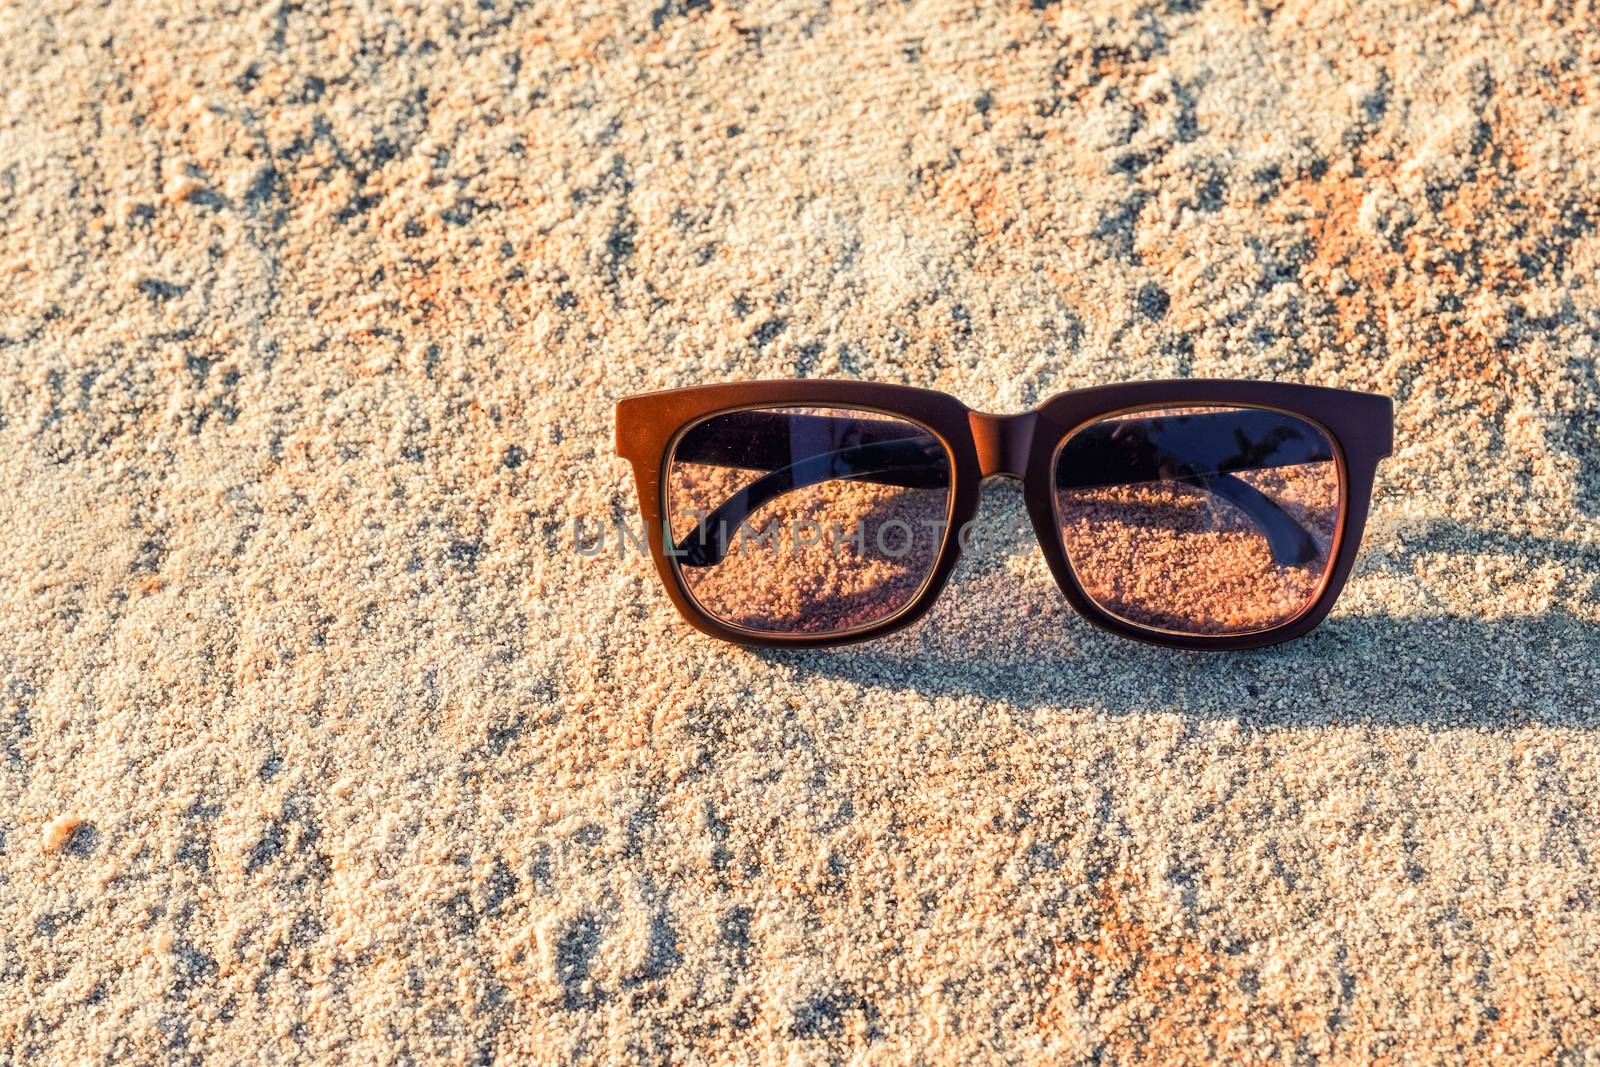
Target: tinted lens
x=1199, y=520
x=806, y=520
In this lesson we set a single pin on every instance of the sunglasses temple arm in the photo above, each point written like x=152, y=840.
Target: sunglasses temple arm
x=707, y=544
x=918, y=462
x=1291, y=544
x=912, y=463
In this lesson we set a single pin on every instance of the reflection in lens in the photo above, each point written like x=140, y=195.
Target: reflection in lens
x=1199, y=520
x=806, y=520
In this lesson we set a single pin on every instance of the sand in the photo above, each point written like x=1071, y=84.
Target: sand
x=321, y=742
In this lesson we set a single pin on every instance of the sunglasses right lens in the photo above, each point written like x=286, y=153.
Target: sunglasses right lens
x=1205, y=520
x=806, y=520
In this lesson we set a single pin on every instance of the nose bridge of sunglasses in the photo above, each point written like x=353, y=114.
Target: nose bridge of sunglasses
x=1002, y=442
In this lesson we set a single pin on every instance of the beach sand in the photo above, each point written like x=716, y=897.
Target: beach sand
x=322, y=741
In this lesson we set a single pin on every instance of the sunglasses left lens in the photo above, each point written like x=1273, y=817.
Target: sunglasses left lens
x=806, y=520
x=1209, y=520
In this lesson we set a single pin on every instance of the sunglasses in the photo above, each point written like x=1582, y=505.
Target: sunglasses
x=1192, y=514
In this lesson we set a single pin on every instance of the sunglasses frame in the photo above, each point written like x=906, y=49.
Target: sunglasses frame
x=1023, y=446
